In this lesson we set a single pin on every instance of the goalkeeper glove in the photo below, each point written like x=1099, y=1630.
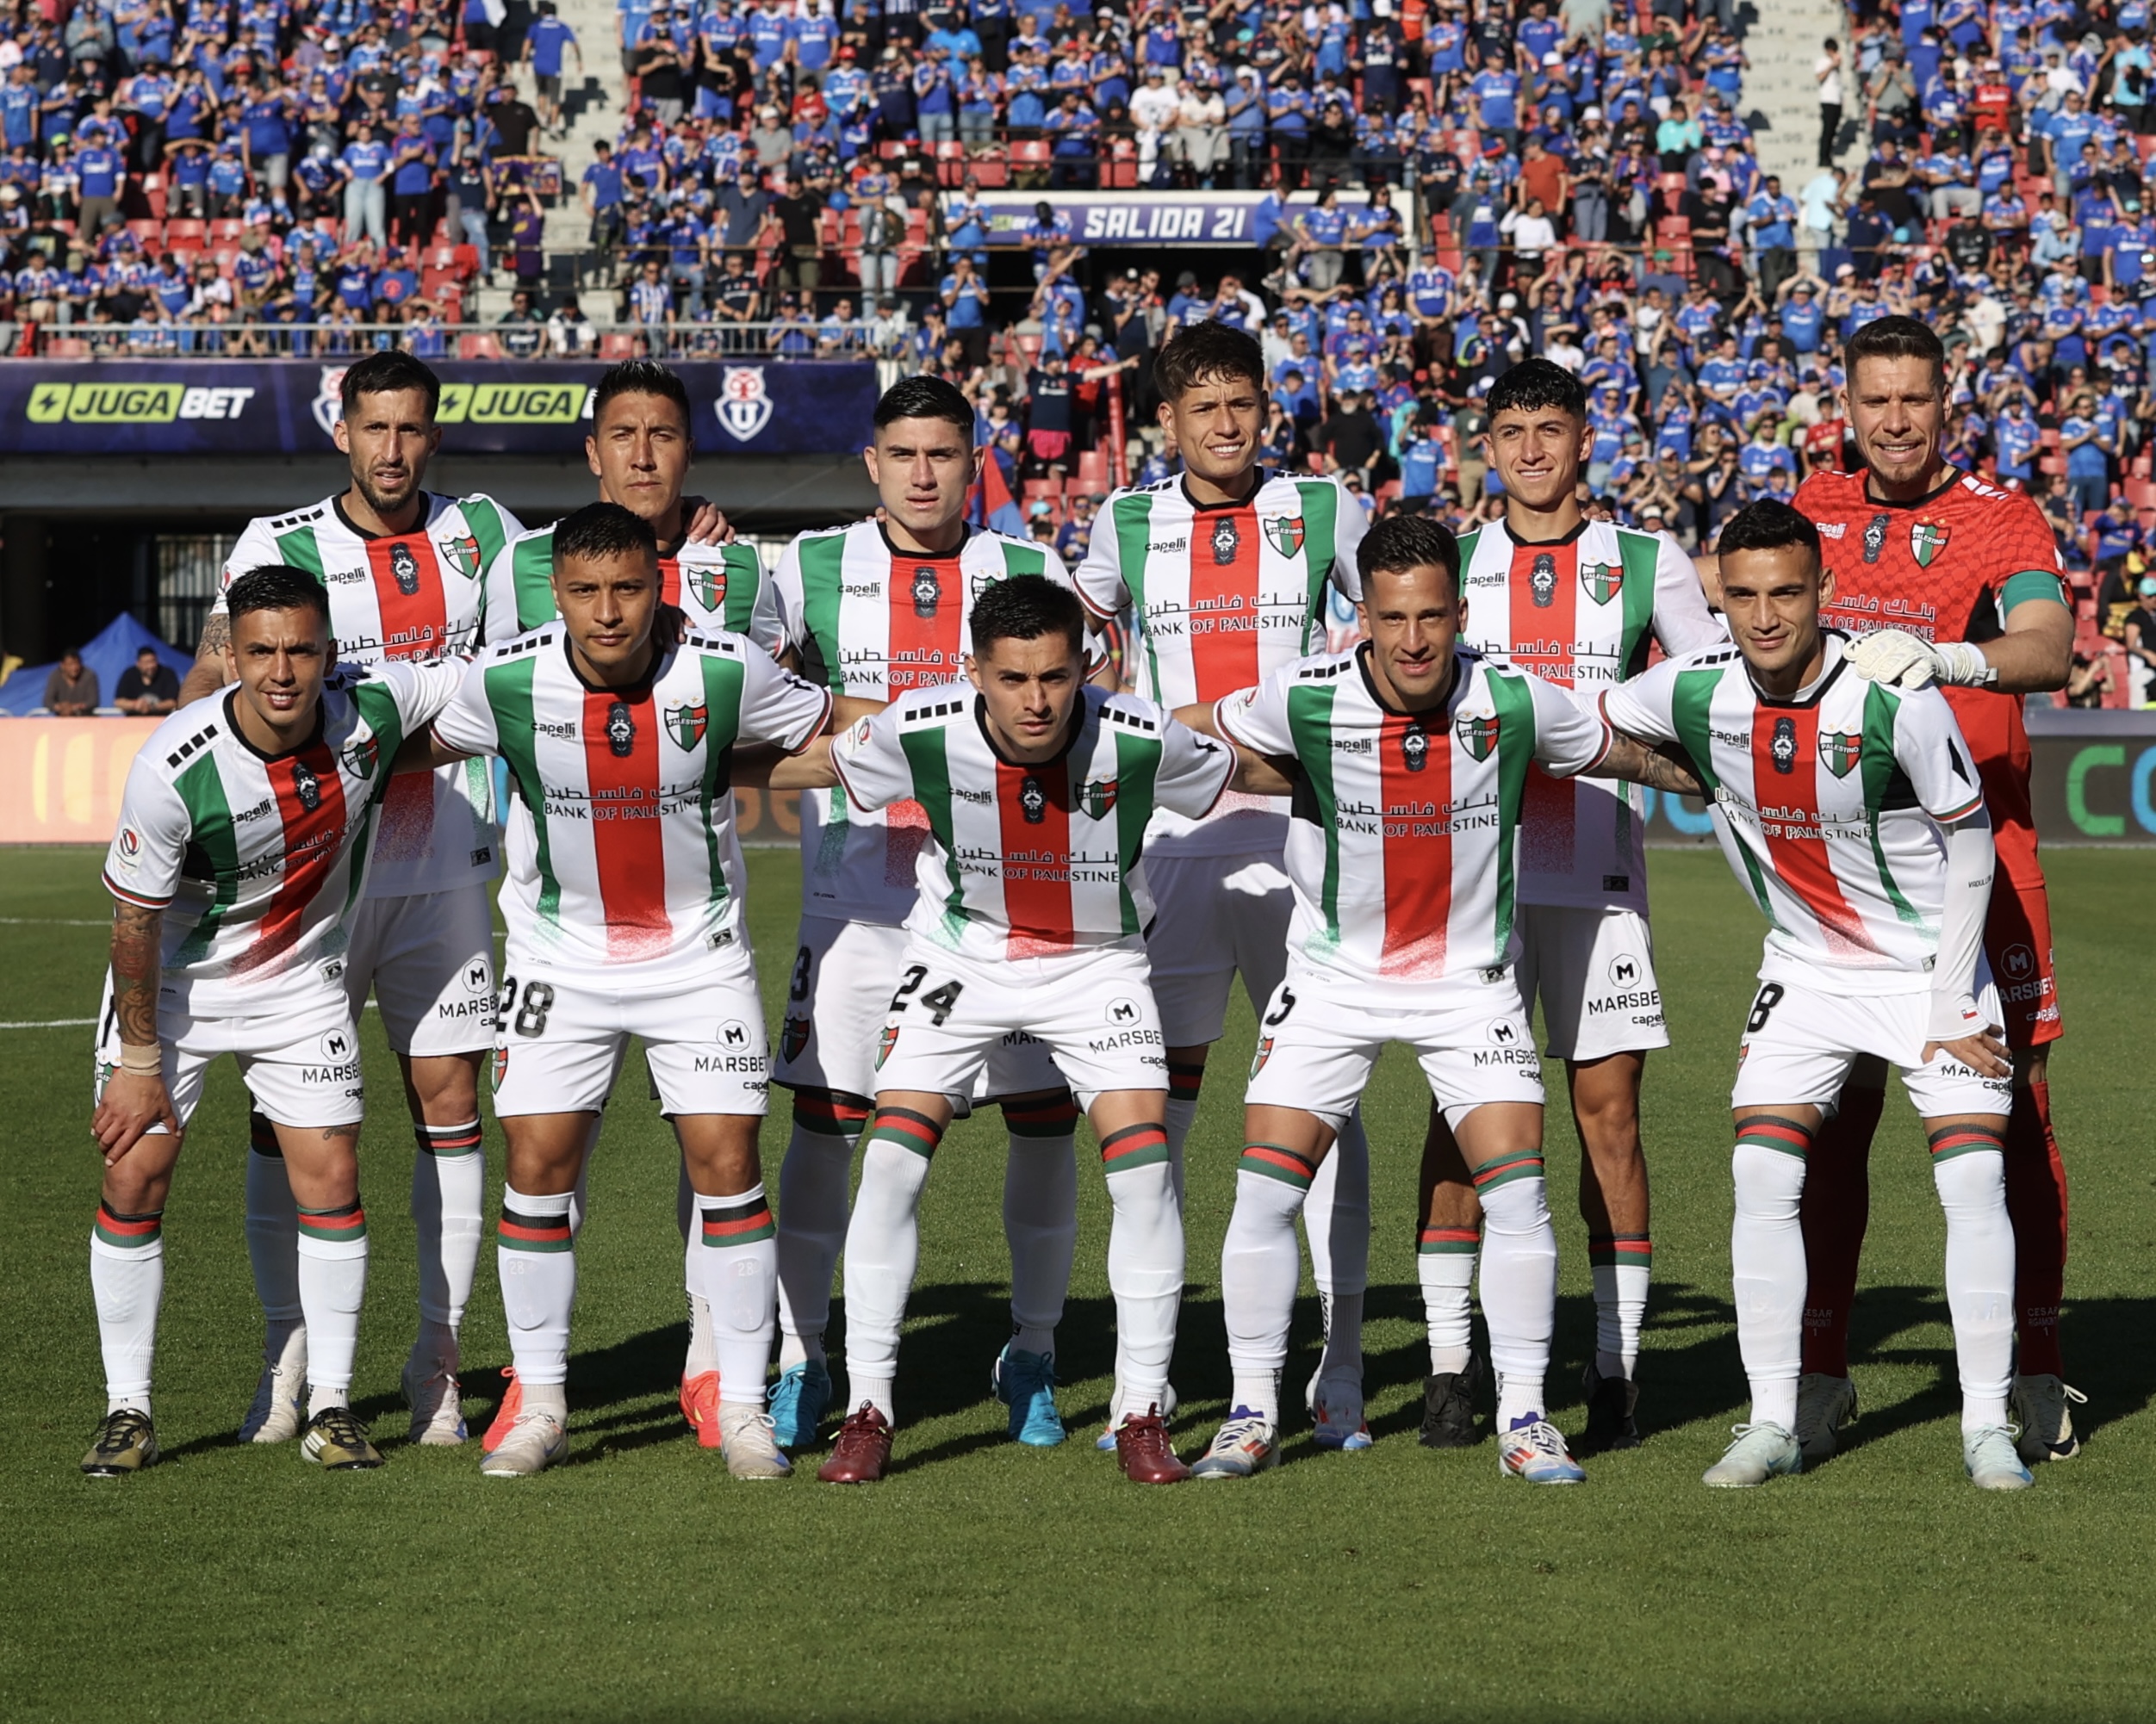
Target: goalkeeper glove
x=1898, y=658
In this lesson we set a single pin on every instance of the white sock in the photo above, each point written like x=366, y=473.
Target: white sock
x=1183, y=1114
x=812, y=1226
x=1040, y=1226
x=740, y=1272
x=883, y=1249
x=1256, y=1392
x=1767, y=1276
x=1444, y=1264
x=449, y=1189
x=1336, y=1220
x=536, y=1257
x=273, y=1232
x=1259, y=1270
x=1520, y=1281
x=1145, y=1261
x=1621, y=1267
x=333, y=1253
x=1971, y=1188
x=580, y=1195
x=127, y=1279
x=702, y=1354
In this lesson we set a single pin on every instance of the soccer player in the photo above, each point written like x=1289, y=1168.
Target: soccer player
x=1578, y=603
x=244, y=835
x=1942, y=576
x=1028, y=921
x=1223, y=572
x=1411, y=754
x=623, y=912
x=872, y=611
x=1852, y=813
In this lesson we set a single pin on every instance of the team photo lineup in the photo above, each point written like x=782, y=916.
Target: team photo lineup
x=1052, y=817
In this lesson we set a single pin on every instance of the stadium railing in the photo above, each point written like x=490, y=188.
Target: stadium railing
x=791, y=342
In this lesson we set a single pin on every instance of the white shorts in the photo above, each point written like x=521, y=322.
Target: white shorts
x=1092, y=1011
x=1802, y=1037
x=1320, y=1036
x=1213, y=915
x=845, y=975
x=430, y=959
x=1595, y=971
x=560, y=1042
x=301, y=1064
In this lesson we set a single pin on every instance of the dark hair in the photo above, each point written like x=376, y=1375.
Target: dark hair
x=1403, y=542
x=925, y=398
x=1767, y=524
x=1895, y=338
x=643, y=378
x=278, y=586
x=1208, y=350
x=603, y=529
x=1024, y=607
x=384, y=374
x=1537, y=383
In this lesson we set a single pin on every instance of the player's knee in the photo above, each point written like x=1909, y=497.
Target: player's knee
x=443, y=1089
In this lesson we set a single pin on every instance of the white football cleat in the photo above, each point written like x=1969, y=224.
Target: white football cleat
x=436, y=1397
x=1246, y=1444
x=279, y=1412
x=1824, y=1405
x=2042, y=1406
x=1988, y=1457
x=535, y=1442
x=749, y=1441
x=1761, y=1452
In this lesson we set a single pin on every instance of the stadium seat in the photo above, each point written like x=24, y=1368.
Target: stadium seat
x=434, y=281
x=478, y=347
x=2140, y=492
x=616, y=345
x=893, y=149
x=181, y=231
x=149, y=235
x=227, y=229
x=467, y=261
x=1092, y=469
x=950, y=163
x=66, y=347
x=991, y=167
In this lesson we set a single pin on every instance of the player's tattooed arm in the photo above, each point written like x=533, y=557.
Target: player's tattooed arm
x=208, y=674
x=133, y=1098
x=1664, y=767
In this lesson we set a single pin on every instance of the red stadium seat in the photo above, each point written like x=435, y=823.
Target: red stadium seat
x=950, y=163
x=992, y=168
x=66, y=347
x=617, y=346
x=1092, y=470
x=467, y=261
x=149, y=235
x=435, y=281
x=478, y=347
x=2140, y=492
x=227, y=229
x=1122, y=164
x=181, y=231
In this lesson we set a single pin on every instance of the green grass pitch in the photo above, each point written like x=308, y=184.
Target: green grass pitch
x=984, y=1580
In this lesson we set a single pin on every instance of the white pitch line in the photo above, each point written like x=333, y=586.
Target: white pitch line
x=51, y=921
x=51, y=1024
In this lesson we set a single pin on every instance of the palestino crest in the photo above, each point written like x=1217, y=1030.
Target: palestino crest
x=1601, y=581
x=500, y=1068
x=743, y=406
x=685, y=724
x=1264, y=1053
x=463, y=557
x=1284, y=533
x=1096, y=798
x=1926, y=540
x=794, y=1037
x=1478, y=735
x=887, y=1039
x=707, y=581
x=362, y=754
x=1839, y=750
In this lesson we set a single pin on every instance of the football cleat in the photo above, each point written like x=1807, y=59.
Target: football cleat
x=1448, y=1406
x=1025, y=1382
x=1336, y=1413
x=506, y=1414
x=2040, y=1406
x=1988, y=1456
x=279, y=1412
x=1246, y=1444
x=436, y=1397
x=1143, y=1451
x=797, y=1400
x=337, y=1443
x=1761, y=1452
x=533, y=1441
x=860, y=1451
x=1106, y=1440
x=699, y=1406
x=1824, y=1405
x=124, y=1443
x=1610, y=1402
x=1534, y=1449
x=742, y=1433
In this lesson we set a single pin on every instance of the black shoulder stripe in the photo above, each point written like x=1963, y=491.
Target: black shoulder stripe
x=1127, y=718
x=938, y=709
x=194, y=745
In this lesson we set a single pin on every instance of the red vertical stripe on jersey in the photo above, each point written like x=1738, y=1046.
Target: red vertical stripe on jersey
x=1037, y=859
x=1542, y=639
x=313, y=837
x=627, y=842
x=928, y=599
x=1795, y=846
x=413, y=623
x=1418, y=846
x=1224, y=614
x=670, y=580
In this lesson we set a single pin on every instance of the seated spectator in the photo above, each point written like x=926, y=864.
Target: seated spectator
x=71, y=691
x=146, y=688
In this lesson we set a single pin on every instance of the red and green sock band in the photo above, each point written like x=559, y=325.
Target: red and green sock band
x=906, y=1130
x=1619, y=1251
x=739, y=1224
x=1275, y=1162
x=1448, y=1242
x=1772, y=1131
x=346, y=1222
x=829, y=1114
x=449, y=1140
x=129, y=1233
x=1504, y=1170
x=1949, y=1141
x=1054, y=1116
x=1184, y=1082
x=534, y=1232
x=1134, y=1146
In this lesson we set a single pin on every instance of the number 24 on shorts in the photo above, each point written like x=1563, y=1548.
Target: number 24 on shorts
x=940, y=1000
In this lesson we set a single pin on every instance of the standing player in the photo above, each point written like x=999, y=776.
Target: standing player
x=1411, y=755
x=243, y=841
x=1853, y=815
x=872, y=611
x=1577, y=602
x=1224, y=573
x=1942, y=576
x=1027, y=922
x=624, y=918
x=402, y=567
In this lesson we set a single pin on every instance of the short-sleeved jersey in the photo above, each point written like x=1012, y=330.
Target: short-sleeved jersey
x=1582, y=612
x=872, y=622
x=622, y=846
x=1949, y=568
x=719, y=587
x=1827, y=806
x=410, y=595
x=1218, y=599
x=256, y=858
x=1402, y=845
x=1031, y=859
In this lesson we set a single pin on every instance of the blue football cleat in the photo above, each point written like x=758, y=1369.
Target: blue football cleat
x=1025, y=1382
x=797, y=1400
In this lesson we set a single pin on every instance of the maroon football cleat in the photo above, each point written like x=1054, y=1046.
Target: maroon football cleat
x=861, y=1450
x=1143, y=1451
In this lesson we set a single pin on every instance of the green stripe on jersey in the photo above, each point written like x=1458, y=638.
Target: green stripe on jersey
x=822, y=579
x=1024, y=560
x=299, y=550
x=1882, y=707
x=744, y=579
x=485, y=521
x=1320, y=531
x=208, y=825
x=1639, y=553
x=1691, y=706
x=532, y=578
x=723, y=679
x=378, y=707
x=1515, y=705
x=1310, y=722
x=509, y=696
x=924, y=747
x=1137, y=766
x=1133, y=537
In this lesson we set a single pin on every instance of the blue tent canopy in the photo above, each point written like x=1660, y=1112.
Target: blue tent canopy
x=111, y=653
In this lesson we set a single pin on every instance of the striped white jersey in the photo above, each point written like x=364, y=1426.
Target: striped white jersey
x=1581, y=612
x=1828, y=807
x=872, y=622
x=1218, y=599
x=1027, y=861
x=1401, y=848
x=719, y=586
x=410, y=595
x=622, y=848
x=256, y=858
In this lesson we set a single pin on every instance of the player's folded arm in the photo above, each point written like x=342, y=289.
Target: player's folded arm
x=1258, y=772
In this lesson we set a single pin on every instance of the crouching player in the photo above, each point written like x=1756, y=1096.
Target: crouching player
x=244, y=832
x=1410, y=756
x=1852, y=812
x=1029, y=921
x=623, y=912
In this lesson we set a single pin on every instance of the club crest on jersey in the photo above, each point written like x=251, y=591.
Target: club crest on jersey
x=361, y=756
x=1542, y=581
x=708, y=584
x=1414, y=746
x=463, y=557
x=887, y=1039
x=1838, y=752
x=1284, y=533
x=500, y=1068
x=745, y=407
x=404, y=569
x=1875, y=537
x=621, y=730
x=306, y=786
x=1097, y=797
x=1032, y=801
x=928, y=591
x=1478, y=735
x=1264, y=1053
x=1783, y=747
x=130, y=843
x=686, y=725
x=1601, y=581
x=1926, y=540
x=1227, y=541
x=793, y=1036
